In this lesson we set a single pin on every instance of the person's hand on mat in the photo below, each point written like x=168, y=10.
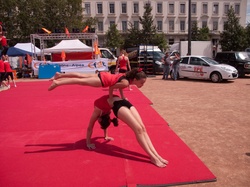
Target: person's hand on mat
x=91, y=146
x=109, y=138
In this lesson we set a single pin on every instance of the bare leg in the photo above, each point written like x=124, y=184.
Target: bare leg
x=138, y=118
x=126, y=116
x=71, y=75
x=90, y=81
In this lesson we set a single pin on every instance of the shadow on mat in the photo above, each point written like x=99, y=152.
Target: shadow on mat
x=101, y=147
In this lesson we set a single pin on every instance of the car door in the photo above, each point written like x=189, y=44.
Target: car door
x=183, y=68
x=197, y=69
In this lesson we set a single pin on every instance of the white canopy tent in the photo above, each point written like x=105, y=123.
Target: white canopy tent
x=29, y=47
x=69, y=46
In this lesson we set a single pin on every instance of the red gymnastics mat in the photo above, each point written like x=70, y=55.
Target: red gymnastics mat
x=42, y=143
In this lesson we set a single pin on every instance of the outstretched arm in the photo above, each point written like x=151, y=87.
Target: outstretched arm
x=119, y=85
x=96, y=113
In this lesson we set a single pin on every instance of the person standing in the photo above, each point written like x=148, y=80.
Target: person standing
x=166, y=66
x=8, y=71
x=176, y=62
x=123, y=64
x=2, y=73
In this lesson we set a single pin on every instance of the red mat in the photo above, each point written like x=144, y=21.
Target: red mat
x=42, y=142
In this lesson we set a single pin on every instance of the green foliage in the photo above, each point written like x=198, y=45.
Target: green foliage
x=148, y=28
x=147, y=35
x=248, y=35
x=22, y=18
x=199, y=34
x=233, y=38
x=113, y=37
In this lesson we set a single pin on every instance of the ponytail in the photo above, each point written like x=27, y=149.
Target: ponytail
x=105, y=121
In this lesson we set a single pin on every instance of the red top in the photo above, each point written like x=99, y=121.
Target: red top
x=2, y=66
x=3, y=41
x=109, y=79
x=102, y=104
x=7, y=67
x=123, y=63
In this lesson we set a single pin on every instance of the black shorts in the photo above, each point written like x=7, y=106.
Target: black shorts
x=7, y=74
x=122, y=70
x=119, y=104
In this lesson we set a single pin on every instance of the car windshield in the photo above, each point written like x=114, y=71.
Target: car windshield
x=157, y=55
x=210, y=60
x=242, y=55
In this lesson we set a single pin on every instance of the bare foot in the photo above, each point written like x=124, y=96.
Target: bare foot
x=53, y=85
x=56, y=76
x=158, y=163
x=162, y=160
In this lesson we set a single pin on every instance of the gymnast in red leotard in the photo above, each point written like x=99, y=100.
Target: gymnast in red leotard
x=101, y=79
x=127, y=113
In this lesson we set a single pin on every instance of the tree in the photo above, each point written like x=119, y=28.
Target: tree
x=194, y=32
x=147, y=35
x=113, y=37
x=248, y=35
x=22, y=18
x=132, y=37
x=233, y=38
x=148, y=28
x=203, y=34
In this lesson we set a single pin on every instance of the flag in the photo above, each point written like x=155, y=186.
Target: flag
x=45, y=30
x=85, y=29
x=67, y=32
x=97, y=50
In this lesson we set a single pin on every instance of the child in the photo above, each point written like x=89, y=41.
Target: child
x=126, y=112
x=102, y=79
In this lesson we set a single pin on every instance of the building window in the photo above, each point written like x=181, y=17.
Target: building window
x=226, y=8
x=124, y=26
x=100, y=26
x=204, y=8
x=124, y=8
x=215, y=25
x=182, y=8
x=99, y=8
x=171, y=25
x=111, y=8
x=216, y=8
x=159, y=25
x=182, y=25
x=170, y=41
x=204, y=24
x=171, y=8
x=136, y=8
x=87, y=8
x=111, y=23
x=159, y=8
x=193, y=8
x=237, y=9
x=136, y=25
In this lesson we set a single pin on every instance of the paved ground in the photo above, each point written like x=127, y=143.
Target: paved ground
x=212, y=119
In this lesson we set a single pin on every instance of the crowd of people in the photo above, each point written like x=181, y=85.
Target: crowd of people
x=6, y=73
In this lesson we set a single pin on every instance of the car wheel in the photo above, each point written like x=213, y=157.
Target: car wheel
x=215, y=77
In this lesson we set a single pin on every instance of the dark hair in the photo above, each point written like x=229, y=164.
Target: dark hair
x=105, y=121
x=136, y=73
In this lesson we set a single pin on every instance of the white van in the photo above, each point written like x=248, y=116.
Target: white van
x=106, y=53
